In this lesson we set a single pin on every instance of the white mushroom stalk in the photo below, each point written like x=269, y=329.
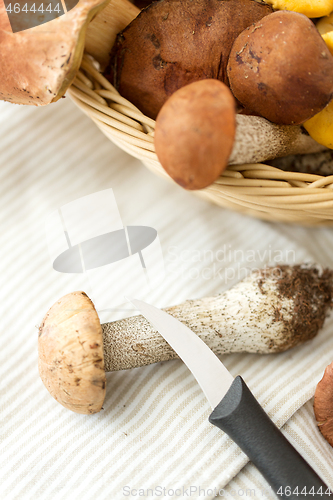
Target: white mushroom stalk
x=272, y=310
x=258, y=140
x=269, y=312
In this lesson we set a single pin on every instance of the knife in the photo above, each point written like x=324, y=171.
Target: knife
x=237, y=412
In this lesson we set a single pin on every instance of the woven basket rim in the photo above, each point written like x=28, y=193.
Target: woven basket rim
x=256, y=189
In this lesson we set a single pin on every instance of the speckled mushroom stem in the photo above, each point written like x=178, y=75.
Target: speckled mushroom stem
x=270, y=311
x=259, y=140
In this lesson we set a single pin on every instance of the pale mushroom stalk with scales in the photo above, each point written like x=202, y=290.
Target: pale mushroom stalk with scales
x=272, y=310
x=257, y=140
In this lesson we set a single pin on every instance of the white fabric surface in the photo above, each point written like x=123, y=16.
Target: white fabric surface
x=153, y=431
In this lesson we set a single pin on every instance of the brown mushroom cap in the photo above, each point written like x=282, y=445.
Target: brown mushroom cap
x=282, y=69
x=175, y=42
x=71, y=357
x=323, y=404
x=38, y=64
x=195, y=132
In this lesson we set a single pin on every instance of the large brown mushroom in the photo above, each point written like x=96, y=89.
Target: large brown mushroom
x=175, y=42
x=39, y=64
x=282, y=69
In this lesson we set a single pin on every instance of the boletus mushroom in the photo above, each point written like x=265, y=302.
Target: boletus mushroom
x=39, y=64
x=270, y=311
x=195, y=132
x=282, y=69
x=71, y=359
x=198, y=134
x=172, y=43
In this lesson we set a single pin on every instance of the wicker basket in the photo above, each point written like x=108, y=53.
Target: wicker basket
x=255, y=189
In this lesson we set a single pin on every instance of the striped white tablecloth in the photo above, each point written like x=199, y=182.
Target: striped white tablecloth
x=152, y=439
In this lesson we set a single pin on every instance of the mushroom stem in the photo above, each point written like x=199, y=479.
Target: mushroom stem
x=259, y=140
x=271, y=311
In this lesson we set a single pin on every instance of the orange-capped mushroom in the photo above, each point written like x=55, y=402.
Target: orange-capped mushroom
x=195, y=132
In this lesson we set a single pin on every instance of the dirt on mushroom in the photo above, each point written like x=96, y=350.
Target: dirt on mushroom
x=311, y=291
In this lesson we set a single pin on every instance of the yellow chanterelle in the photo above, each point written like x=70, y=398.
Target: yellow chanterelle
x=325, y=28
x=320, y=126
x=310, y=8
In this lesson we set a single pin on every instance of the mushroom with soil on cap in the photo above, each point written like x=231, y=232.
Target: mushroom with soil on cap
x=272, y=310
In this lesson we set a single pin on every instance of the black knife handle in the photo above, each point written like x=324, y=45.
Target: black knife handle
x=240, y=415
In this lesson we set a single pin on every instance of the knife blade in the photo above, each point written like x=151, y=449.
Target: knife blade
x=237, y=412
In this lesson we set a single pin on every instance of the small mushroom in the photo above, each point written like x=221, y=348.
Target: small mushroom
x=282, y=69
x=195, y=131
x=272, y=310
x=323, y=404
x=175, y=42
x=256, y=140
x=39, y=64
x=71, y=359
